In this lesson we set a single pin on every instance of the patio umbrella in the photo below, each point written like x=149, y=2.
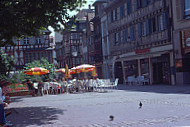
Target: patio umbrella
x=60, y=70
x=94, y=73
x=85, y=67
x=67, y=73
x=36, y=71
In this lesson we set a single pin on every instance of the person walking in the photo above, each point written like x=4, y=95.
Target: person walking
x=40, y=87
x=3, y=91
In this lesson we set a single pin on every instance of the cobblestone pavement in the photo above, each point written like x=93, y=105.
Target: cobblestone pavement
x=163, y=106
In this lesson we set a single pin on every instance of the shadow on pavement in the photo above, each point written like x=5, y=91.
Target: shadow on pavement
x=36, y=116
x=166, y=89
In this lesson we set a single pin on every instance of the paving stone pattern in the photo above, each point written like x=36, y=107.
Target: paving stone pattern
x=163, y=106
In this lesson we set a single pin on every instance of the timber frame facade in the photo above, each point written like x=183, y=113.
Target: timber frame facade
x=140, y=40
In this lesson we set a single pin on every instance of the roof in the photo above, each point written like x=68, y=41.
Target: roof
x=99, y=1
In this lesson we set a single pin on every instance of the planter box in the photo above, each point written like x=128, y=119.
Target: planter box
x=20, y=93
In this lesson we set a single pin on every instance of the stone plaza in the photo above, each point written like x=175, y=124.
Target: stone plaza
x=162, y=106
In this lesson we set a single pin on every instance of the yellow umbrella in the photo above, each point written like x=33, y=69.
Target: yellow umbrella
x=67, y=72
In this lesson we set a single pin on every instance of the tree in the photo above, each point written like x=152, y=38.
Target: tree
x=6, y=65
x=30, y=17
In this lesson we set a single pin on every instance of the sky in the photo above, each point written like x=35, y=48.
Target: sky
x=85, y=6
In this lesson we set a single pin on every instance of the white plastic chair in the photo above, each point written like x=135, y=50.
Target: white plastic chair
x=115, y=84
x=131, y=80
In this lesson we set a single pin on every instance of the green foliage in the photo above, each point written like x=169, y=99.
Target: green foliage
x=6, y=65
x=29, y=17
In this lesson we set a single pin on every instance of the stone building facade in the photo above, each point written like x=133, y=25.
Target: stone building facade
x=181, y=39
x=139, y=33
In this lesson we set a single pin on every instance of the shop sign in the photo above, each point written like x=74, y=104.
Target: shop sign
x=142, y=51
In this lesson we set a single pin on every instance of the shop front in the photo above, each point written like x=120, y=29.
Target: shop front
x=155, y=66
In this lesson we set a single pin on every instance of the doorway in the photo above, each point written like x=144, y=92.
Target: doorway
x=158, y=73
x=118, y=72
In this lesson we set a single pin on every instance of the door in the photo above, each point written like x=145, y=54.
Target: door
x=119, y=72
x=157, y=73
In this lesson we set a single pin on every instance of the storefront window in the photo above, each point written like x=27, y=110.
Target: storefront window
x=131, y=68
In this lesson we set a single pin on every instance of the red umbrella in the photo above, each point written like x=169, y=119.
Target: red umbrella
x=36, y=71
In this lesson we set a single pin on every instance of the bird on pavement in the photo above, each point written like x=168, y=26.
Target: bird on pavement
x=111, y=118
x=140, y=105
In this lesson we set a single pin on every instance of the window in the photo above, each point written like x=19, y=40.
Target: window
x=144, y=3
x=144, y=29
x=122, y=11
x=147, y=27
x=38, y=40
x=187, y=8
x=115, y=18
x=116, y=38
x=125, y=36
x=140, y=29
x=132, y=33
x=129, y=7
x=153, y=24
x=26, y=40
x=111, y=16
x=162, y=21
x=141, y=3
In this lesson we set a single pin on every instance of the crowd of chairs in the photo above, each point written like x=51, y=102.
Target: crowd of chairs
x=89, y=85
x=139, y=80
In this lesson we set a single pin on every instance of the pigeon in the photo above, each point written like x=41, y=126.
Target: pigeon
x=111, y=118
x=140, y=105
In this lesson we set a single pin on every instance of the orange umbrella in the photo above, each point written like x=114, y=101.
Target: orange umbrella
x=67, y=73
x=36, y=71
